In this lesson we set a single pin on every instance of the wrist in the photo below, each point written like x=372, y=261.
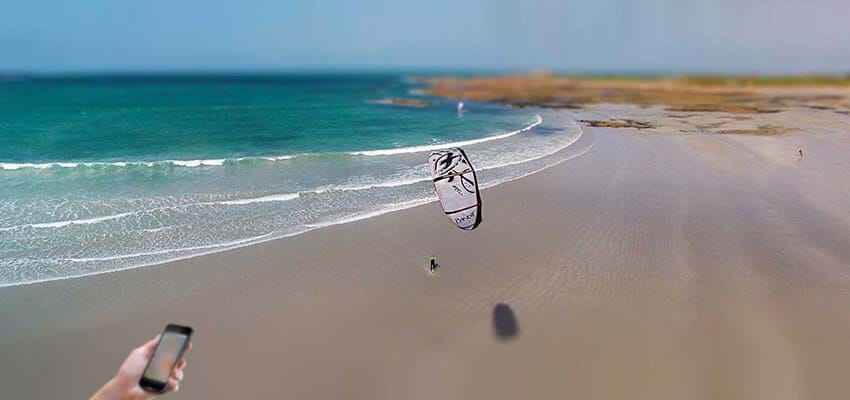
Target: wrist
x=117, y=389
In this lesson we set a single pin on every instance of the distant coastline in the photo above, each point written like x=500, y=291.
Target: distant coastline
x=744, y=95
x=735, y=94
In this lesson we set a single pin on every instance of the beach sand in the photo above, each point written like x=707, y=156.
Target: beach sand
x=655, y=266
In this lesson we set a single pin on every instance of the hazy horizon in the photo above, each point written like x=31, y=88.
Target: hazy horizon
x=609, y=36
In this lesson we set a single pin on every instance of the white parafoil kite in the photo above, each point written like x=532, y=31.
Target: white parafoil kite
x=456, y=186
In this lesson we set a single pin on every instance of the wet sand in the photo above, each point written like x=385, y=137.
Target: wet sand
x=655, y=266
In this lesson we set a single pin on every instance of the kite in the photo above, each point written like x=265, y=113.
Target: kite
x=456, y=186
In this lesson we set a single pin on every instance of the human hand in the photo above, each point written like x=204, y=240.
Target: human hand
x=125, y=384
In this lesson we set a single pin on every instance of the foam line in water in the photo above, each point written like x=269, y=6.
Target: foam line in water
x=217, y=162
x=387, y=184
x=383, y=210
x=86, y=221
x=523, y=161
x=356, y=217
x=95, y=220
x=213, y=162
x=264, y=199
x=198, y=163
x=215, y=248
x=237, y=202
x=166, y=251
x=432, y=147
x=577, y=154
x=14, y=166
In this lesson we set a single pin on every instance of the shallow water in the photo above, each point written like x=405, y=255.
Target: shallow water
x=106, y=173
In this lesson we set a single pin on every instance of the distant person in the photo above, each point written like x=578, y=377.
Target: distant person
x=434, y=264
x=801, y=152
x=125, y=384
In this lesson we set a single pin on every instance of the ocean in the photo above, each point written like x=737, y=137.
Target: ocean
x=104, y=173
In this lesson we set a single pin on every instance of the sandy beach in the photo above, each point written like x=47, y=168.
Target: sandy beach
x=654, y=266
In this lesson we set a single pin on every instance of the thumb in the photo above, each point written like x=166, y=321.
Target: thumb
x=148, y=348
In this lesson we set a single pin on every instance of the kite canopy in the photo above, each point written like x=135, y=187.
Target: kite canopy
x=456, y=186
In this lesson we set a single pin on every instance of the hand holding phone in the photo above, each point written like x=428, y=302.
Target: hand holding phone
x=151, y=369
x=173, y=342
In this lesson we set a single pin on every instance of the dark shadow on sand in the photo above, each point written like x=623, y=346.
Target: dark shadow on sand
x=504, y=322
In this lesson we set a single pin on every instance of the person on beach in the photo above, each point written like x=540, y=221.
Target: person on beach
x=434, y=264
x=801, y=152
x=125, y=384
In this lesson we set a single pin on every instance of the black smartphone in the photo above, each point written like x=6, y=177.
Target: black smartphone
x=172, y=344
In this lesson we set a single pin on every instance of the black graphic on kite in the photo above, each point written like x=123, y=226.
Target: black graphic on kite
x=456, y=186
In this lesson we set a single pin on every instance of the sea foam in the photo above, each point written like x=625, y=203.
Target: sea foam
x=438, y=146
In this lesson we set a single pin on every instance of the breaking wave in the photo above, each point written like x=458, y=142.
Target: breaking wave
x=438, y=146
x=218, y=162
x=214, y=162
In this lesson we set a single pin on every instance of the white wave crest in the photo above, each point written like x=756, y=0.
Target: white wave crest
x=198, y=163
x=213, y=162
x=86, y=221
x=431, y=147
x=264, y=199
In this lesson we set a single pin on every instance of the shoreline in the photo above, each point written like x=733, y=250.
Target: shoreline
x=308, y=228
x=666, y=262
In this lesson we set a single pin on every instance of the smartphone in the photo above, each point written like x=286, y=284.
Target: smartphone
x=172, y=344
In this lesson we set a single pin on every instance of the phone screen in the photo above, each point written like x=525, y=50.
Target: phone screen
x=162, y=363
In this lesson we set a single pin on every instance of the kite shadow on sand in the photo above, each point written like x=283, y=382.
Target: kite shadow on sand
x=505, y=325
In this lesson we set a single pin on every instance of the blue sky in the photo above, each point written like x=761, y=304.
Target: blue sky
x=767, y=36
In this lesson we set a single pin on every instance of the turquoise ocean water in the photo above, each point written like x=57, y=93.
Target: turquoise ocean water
x=102, y=173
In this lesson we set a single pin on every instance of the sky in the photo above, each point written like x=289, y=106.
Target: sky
x=592, y=36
